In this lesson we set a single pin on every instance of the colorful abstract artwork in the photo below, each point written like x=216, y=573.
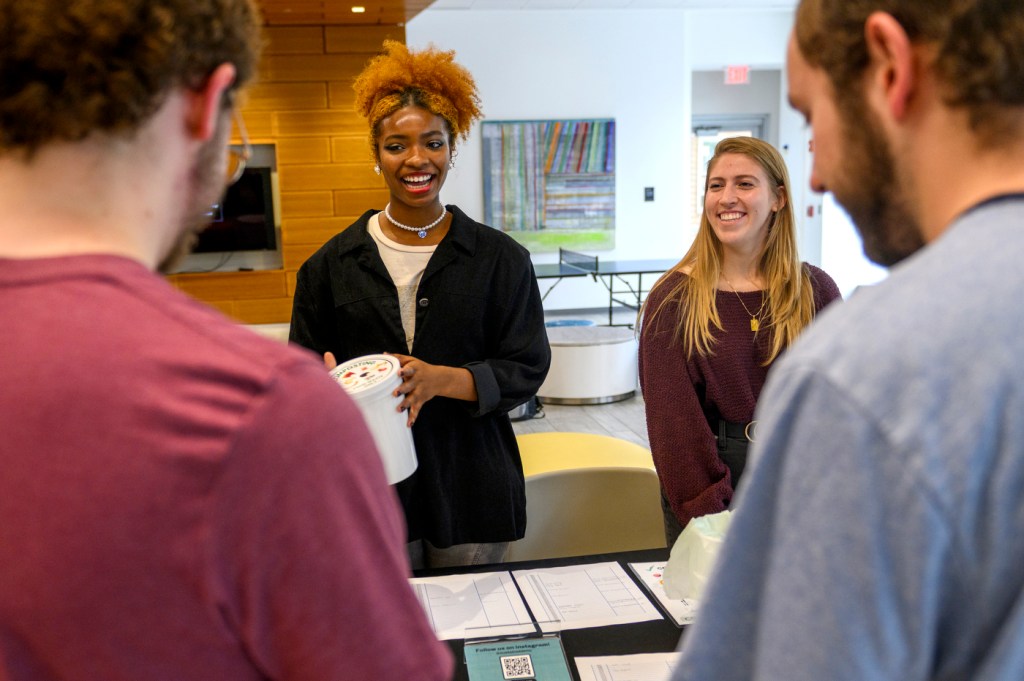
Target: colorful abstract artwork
x=551, y=184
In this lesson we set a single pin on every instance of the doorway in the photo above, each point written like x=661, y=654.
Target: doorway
x=709, y=130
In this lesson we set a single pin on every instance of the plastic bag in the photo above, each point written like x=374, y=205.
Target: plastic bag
x=692, y=559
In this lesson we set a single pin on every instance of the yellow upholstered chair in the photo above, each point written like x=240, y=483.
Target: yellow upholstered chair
x=546, y=452
x=587, y=494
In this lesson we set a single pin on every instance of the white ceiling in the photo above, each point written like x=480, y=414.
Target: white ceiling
x=612, y=4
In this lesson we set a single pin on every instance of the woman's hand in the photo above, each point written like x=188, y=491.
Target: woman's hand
x=421, y=382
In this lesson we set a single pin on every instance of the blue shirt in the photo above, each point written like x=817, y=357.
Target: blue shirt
x=880, y=533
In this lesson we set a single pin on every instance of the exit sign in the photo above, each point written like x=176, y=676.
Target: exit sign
x=737, y=75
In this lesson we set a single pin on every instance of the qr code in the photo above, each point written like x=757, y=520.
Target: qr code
x=517, y=667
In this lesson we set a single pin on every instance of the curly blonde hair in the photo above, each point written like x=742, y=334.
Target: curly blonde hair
x=428, y=78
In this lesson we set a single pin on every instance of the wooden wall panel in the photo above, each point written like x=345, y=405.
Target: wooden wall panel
x=349, y=147
x=264, y=311
x=328, y=176
x=340, y=94
x=392, y=13
x=360, y=39
x=358, y=201
x=304, y=150
x=294, y=40
x=326, y=122
x=315, y=231
x=233, y=285
x=259, y=124
x=302, y=103
x=225, y=306
x=307, y=204
x=297, y=254
x=377, y=12
x=304, y=67
x=285, y=96
x=332, y=12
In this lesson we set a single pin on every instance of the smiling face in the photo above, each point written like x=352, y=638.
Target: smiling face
x=414, y=151
x=740, y=201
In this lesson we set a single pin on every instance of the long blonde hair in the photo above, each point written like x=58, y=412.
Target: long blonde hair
x=790, y=295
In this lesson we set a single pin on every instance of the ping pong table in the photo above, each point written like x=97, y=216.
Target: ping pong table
x=624, y=279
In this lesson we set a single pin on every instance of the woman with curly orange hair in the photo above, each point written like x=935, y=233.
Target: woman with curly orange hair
x=456, y=301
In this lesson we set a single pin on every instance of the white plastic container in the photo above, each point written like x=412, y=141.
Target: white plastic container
x=369, y=381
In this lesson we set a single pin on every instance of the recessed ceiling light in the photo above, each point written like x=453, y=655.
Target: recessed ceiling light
x=358, y=9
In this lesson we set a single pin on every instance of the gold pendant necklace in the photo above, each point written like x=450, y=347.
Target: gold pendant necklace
x=755, y=319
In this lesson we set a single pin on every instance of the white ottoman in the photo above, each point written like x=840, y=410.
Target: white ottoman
x=590, y=365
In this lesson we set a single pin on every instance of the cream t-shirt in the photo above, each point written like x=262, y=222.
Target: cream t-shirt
x=405, y=264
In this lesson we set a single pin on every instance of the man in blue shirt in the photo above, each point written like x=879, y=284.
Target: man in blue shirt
x=880, y=534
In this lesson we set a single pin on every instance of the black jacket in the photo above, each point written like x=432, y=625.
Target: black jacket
x=479, y=307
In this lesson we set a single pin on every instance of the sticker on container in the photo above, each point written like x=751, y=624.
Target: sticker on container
x=364, y=372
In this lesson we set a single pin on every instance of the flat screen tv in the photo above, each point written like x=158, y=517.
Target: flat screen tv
x=244, y=219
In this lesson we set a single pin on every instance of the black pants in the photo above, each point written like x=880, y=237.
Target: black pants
x=732, y=450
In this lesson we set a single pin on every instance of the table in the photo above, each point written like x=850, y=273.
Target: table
x=658, y=636
x=619, y=277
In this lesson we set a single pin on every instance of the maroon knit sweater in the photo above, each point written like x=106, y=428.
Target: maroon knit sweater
x=680, y=395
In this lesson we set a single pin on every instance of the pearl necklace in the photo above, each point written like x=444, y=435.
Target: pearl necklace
x=421, y=232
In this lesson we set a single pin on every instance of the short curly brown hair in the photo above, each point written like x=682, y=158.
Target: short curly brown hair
x=979, y=48
x=72, y=67
x=428, y=78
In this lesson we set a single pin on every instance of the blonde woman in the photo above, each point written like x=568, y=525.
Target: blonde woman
x=714, y=324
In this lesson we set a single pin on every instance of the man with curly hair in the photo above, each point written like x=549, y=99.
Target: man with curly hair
x=880, y=534
x=179, y=498
x=456, y=301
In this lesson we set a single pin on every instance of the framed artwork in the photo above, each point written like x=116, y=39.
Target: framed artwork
x=551, y=184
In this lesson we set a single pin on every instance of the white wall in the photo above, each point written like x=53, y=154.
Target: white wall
x=842, y=252
x=631, y=65
x=756, y=38
x=717, y=38
x=711, y=96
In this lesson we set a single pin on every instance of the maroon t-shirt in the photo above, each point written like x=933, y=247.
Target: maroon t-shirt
x=183, y=499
